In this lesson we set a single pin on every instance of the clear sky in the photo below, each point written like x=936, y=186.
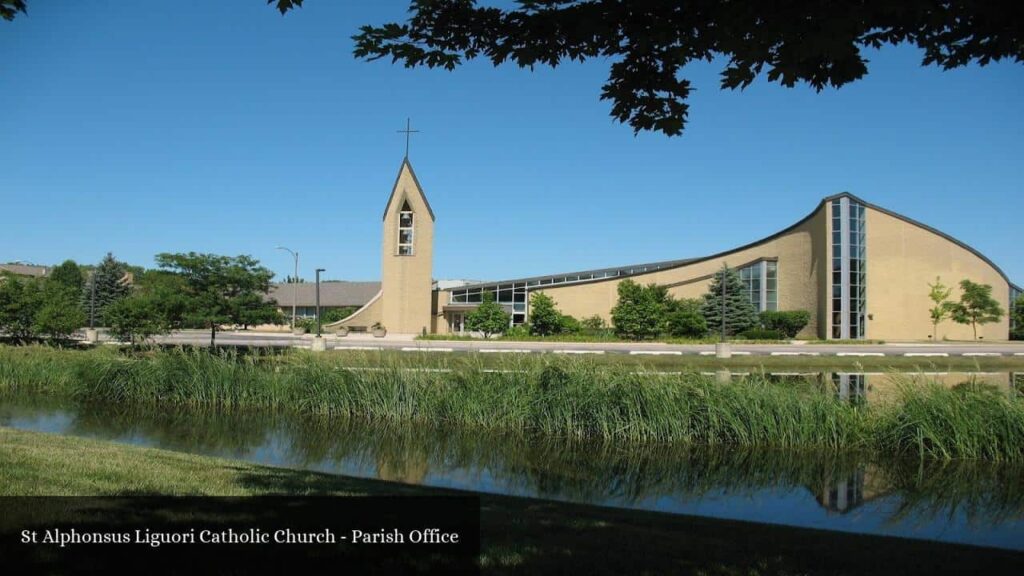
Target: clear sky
x=171, y=126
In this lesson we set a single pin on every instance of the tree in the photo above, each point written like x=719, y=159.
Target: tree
x=545, y=319
x=251, y=310
x=166, y=293
x=105, y=286
x=684, y=319
x=20, y=301
x=59, y=315
x=219, y=289
x=739, y=312
x=938, y=293
x=976, y=306
x=136, y=318
x=489, y=317
x=69, y=276
x=640, y=311
x=648, y=44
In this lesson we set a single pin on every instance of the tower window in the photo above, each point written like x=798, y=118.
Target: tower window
x=405, y=230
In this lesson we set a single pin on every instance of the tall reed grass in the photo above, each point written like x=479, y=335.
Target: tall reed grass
x=556, y=397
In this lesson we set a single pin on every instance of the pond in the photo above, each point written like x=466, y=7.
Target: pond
x=965, y=502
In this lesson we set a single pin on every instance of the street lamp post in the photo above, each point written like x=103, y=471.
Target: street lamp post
x=295, y=280
x=318, y=271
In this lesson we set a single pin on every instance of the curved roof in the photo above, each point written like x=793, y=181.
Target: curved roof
x=638, y=269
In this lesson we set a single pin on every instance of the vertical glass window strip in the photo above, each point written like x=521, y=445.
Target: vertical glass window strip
x=837, y=279
x=1014, y=295
x=405, y=231
x=772, y=288
x=849, y=306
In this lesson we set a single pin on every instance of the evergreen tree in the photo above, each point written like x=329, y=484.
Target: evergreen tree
x=104, y=287
x=740, y=314
x=545, y=319
x=976, y=306
x=489, y=317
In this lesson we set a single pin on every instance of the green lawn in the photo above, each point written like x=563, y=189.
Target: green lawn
x=519, y=535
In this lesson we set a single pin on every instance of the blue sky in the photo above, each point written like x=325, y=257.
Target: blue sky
x=146, y=127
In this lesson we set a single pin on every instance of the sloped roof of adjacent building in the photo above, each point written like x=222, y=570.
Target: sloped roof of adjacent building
x=332, y=294
x=24, y=269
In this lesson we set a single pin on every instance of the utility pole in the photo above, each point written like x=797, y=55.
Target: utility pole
x=318, y=271
x=295, y=281
x=92, y=301
x=722, y=349
x=723, y=304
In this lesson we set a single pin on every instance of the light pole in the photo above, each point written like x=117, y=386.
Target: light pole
x=295, y=280
x=318, y=271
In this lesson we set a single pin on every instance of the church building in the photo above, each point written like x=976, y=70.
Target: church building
x=862, y=271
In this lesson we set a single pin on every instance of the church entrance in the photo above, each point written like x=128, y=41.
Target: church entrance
x=457, y=322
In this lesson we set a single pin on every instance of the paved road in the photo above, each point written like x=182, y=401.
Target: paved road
x=354, y=342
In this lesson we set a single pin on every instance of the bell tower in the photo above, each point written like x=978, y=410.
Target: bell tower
x=407, y=256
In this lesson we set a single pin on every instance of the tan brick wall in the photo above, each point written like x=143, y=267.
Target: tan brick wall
x=406, y=280
x=365, y=317
x=902, y=259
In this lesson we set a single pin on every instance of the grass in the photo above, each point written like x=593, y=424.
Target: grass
x=518, y=535
x=537, y=395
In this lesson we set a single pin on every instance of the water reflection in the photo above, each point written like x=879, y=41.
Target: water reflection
x=964, y=501
x=860, y=387
x=969, y=502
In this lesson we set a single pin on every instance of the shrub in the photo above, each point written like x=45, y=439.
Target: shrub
x=640, y=311
x=334, y=314
x=570, y=325
x=684, y=319
x=686, y=324
x=594, y=323
x=517, y=333
x=789, y=323
x=762, y=334
x=545, y=319
x=135, y=319
x=489, y=317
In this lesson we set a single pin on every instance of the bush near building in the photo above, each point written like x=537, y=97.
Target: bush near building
x=640, y=311
x=684, y=319
x=489, y=317
x=787, y=323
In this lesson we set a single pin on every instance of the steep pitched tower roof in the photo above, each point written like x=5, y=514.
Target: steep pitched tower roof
x=407, y=256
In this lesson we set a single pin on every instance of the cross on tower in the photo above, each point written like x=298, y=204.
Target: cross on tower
x=408, y=132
